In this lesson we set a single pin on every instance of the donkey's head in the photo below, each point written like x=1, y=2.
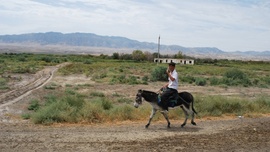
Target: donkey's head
x=138, y=99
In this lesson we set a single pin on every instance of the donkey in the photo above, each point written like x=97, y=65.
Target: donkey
x=186, y=103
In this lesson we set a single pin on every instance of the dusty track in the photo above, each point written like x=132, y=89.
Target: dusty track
x=38, y=80
x=235, y=134
x=222, y=135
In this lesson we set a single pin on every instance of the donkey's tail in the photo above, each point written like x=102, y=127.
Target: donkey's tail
x=192, y=105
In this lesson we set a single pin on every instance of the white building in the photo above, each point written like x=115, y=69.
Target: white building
x=177, y=61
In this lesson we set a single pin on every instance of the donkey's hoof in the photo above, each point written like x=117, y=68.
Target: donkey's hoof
x=193, y=123
x=183, y=125
x=146, y=126
x=169, y=125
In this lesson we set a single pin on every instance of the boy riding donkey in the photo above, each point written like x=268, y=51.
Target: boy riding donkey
x=170, y=89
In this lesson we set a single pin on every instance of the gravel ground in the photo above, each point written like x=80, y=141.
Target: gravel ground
x=246, y=134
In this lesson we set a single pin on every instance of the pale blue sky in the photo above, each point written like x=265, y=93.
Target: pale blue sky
x=230, y=25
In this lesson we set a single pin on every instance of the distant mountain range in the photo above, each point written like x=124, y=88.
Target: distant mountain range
x=52, y=42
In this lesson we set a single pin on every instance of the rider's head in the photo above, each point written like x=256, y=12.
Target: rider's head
x=171, y=66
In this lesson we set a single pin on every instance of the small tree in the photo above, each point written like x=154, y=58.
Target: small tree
x=138, y=55
x=179, y=55
x=148, y=56
x=115, y=55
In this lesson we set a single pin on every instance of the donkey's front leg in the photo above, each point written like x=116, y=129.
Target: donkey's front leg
x=165, y=114
x=151, y=117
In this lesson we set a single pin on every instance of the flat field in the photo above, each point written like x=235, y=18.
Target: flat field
x=227, y=132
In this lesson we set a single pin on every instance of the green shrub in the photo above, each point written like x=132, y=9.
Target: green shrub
x=200, y=81
x=124, y=100
x=145, y=78
x=123, y=112
x=187, y=79
x=106, y=104
x=115, y=94
x=87, y=61
x=219, y=105
x=92, y=113
x=3, y=84
x=51, y=86
x=132, y=80
x=266, y=80
x=159, y=74
x=63, y=110
x=214, y=81
x=234, y=74
x=34, y=105
x=50, y=98
x=70, y=91
x=26, y=116
x=234, y=77
x=98, y=76
x=263, y=104
x=97, y=94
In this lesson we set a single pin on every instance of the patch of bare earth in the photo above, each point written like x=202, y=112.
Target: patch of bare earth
x=219, y=134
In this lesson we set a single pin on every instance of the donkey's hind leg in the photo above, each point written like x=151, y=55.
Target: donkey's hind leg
x=192, y=119
x=151, y=117
x=186, y=115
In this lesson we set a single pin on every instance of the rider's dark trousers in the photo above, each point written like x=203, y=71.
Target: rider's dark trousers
x=165, y=96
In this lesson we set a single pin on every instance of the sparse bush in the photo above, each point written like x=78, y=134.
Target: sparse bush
x=123, y=112
x=70, y=91
x=132, y=80
x=106, y=104
x=26, y=116
x=124, y=100
x=97, y=94
x=3, y=84
x=34, y=105
x=145, y=78
x=92, y=113
x=62, y=110
x=159, y=74
x=187, y=79
x=234, y=77
x=99, y=76
x=87, y=61
x=200, y=81
x=234, y=74
x=214, y=81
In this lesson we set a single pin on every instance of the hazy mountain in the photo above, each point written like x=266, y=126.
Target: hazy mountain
x=85, y=42
x=93, y=40
x=76, y=39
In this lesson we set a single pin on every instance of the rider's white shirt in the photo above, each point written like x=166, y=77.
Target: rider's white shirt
x=173, y=84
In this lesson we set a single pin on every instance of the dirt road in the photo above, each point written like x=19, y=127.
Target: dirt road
x=234, y=134
x=223, y=135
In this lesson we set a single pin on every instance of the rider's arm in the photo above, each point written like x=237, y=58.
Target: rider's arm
x=171, y=77
x=166, y=85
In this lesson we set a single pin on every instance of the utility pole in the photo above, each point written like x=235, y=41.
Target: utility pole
x=158, y=47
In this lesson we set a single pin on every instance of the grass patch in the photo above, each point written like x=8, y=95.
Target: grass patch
x=220, y=105
x=34, y=105
x=51, y=86
x=97, y=94
x=74, y=107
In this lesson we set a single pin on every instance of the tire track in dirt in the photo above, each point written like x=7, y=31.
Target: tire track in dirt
x=42, y=78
